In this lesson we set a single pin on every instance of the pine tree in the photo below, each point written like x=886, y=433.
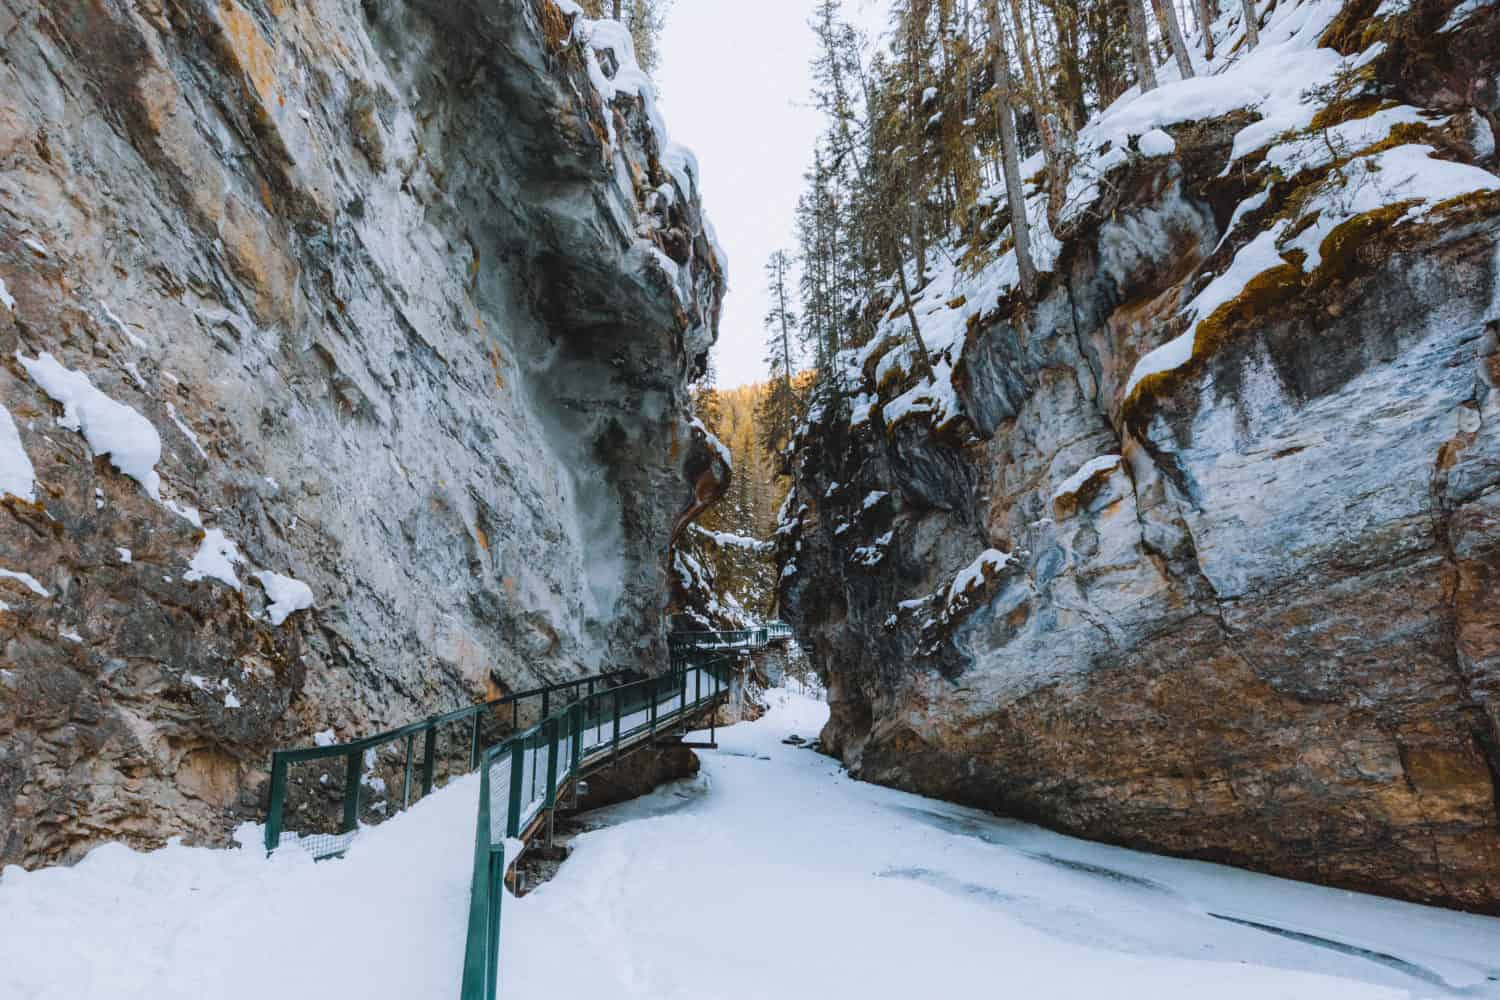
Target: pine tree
x=1166, y=16
x=1207, y=13
x=1020, y=226
x=706, y=403
x=1140, y=46
x=779, y=407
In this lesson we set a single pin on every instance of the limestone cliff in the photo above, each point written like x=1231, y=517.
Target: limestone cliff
x=346, y=348
x=1197, y=550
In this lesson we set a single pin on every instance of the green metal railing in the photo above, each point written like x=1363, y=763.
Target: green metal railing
x=520, y=779
x=335, y=789
x=732, y=640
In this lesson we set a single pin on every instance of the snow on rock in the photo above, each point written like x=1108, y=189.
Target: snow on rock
x=1257, y=256
x=5, y=297
x=1406, y=175
x=28, y=580
x=871, y=555
x=1396, y=176
x=719, y=447
x=1087, y=471
x=17, y=476
x=974, y=574
x=730, y=539
x=286, y=594
x=109, y=427
x=216, y=558
x=124, y=554
x=124, y=330
x=1156, y=143
x=188, y=514
x=187, y=431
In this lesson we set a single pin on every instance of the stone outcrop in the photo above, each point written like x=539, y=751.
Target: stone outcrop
x=1244, y=612
x=409, y=295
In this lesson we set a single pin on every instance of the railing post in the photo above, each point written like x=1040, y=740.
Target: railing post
x=651, y=696
x=278, y=800
x=429, y=758
x=550, y=728
x=411, y=739
x=615, y=708
x=497, y=895
x=546, y=701
x=474, y=743
x=353, y=773
x=517, y=766
x=579, y=709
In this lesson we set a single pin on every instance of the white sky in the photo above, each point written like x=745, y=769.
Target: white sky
x=734, y=81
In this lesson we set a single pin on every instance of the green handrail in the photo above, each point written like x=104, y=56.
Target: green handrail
x=355, y=752
x=564, y=746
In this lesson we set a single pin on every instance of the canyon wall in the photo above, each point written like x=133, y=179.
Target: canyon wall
x=345, y=349
x=1232, y=596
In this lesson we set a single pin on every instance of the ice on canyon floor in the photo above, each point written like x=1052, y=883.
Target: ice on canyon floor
x=771, y=874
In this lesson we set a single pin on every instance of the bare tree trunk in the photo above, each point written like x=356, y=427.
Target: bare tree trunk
x=1041, y=107
x=786, y=336
x=617, y=10
x=1166, y=16
x=916, y=332
x=1140, y=47
x=1020, y=226
x=1206, y=15
x=913, y=186
x=1252, y=24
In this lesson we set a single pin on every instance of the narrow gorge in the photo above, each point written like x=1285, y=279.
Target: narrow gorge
x=1065, y=557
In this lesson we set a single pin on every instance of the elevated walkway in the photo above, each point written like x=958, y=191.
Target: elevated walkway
x=524, y=774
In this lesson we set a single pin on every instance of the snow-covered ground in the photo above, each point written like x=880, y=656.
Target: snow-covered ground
x=771, y=875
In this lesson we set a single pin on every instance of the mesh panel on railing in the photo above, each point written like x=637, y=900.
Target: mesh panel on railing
x=499, y=769
x=533, y=781
x=314, y=813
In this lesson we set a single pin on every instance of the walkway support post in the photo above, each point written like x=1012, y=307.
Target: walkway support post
x=278, y=796
x=353, y=777
x=429, y=758
x=411, y=740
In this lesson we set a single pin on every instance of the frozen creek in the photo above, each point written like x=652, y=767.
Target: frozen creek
x=772, y=874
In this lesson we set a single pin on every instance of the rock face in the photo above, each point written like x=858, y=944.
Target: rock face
x=403, y=299
x=1244, y=613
